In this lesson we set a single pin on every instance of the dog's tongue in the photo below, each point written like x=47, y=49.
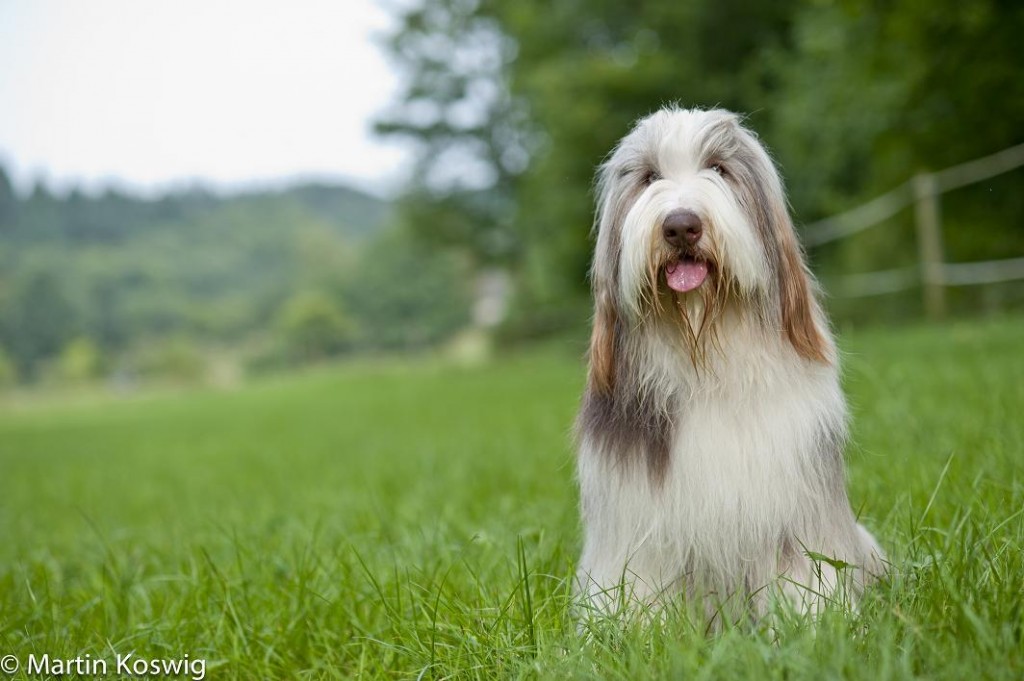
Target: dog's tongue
x=685, y=275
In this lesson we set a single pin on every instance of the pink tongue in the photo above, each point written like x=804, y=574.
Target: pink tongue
x=686, y=275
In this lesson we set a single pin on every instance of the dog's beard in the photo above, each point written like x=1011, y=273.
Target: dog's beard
x=692, y=314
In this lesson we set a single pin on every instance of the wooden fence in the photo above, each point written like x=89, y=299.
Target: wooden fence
x=932, y=273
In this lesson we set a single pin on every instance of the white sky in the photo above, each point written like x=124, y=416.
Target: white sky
x=147, y=94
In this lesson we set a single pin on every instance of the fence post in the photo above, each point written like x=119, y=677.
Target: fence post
x=929, y=244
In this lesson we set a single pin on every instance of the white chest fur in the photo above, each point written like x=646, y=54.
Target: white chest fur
x=752, y=465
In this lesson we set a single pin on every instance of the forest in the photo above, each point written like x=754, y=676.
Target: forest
x=510, y=106
x=193, y=283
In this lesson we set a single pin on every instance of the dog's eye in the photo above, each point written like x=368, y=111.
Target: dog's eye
x=718, y=168
x=651, y=176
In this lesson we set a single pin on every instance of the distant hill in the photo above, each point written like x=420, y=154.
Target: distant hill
x=354, y=212
x=126, y=272
x=115, y=215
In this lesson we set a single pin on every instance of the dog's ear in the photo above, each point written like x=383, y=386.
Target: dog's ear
x=799, y=308
x=800, y=317
x=612, y=205
x=602, y=345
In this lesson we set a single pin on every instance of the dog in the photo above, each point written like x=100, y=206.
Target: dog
x=711, y=431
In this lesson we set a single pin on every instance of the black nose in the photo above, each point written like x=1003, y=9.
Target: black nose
x=682, y=228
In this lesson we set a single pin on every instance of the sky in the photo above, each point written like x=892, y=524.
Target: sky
x=149, y=95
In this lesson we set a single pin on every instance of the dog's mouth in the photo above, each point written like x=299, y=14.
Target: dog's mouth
x=685, y=273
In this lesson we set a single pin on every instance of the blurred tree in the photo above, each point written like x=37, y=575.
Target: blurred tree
x=39, y=317
x=8, y=202
x=313, y=326
x=175, y=358
x=123, y=270
x=583, y=72
x=323, y=259
x=868, y=96
x=8, y=373
x=80, y=361
x=471, y=134
x=853, y=95
x=406, y=298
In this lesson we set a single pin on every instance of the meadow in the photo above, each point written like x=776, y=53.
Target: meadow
x=417, y=519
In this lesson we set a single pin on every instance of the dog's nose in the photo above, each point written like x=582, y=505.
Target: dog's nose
x=682, y=227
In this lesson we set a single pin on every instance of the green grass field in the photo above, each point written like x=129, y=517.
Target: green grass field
x=419, y=520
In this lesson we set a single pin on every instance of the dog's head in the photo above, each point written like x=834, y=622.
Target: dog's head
x=692, y=218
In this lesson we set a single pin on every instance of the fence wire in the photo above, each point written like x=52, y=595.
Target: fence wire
x=883, y=207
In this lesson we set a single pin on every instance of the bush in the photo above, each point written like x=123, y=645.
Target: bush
x=177, y=359
x=406, y=297
x=8, y=373
x=313, y=326
x=80, y=361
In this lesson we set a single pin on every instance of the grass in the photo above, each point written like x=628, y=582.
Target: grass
x=417, y=520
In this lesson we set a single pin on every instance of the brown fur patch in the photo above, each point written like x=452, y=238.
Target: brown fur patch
x=761, y=192
x=602, y=347
x=796, y=297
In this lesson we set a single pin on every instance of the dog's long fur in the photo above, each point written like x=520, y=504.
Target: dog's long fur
x=711, y=431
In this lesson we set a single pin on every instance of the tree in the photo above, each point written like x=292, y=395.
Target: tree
x=405, y=297
x=471, y=134
x=8, y=201
x=40, y=318
x=128, y=272
x=8, y=373
x=80, y=360
x=853, y=97
x=313, y=326
x=572, y=77
x=867, y=98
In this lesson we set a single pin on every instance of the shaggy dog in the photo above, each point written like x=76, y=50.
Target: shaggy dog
x=712, y=428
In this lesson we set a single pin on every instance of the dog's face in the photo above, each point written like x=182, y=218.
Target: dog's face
x=692, y=217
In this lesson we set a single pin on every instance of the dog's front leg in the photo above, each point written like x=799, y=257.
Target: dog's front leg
x=621, y=565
